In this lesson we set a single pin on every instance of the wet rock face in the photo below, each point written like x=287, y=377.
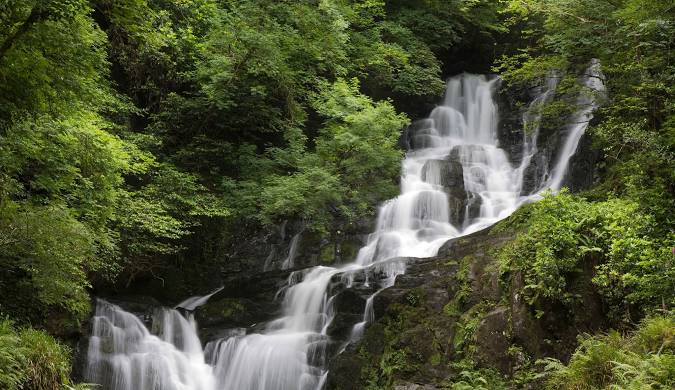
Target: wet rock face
x=451, y=176
x=511, y=110
x=511, y=137
x=492, y=340
x=341, y=245
x=537, y=172
x=548, y=143
x=454, y=306
x=220, y=260
x=413, y=334
x=417, y=135
x=582, y=172
x=473, y=205
x=553, y=131
x=244, y=301
x=450, y=172
x=349, y=306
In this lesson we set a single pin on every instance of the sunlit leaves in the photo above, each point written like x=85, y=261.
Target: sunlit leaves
x=564, y=233
x=354, y=166
x=54, y=249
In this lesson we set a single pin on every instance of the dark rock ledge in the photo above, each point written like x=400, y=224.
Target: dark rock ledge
x=455, y=307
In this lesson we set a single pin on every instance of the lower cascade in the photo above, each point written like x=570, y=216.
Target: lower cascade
x=455, y=180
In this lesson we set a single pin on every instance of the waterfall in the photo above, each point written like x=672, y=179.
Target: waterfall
x=455, y=180
x=588, y=102
x=124, y=355
x=289, y=261
x=531, y=126
x=292, y=252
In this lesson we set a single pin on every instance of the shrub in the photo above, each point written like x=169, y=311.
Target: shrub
x=643, y=360
x=31, y=359
x=565, y=235
x=47, y=362
x=11, y=358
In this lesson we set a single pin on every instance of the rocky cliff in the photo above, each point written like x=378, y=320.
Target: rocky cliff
x=458, y=311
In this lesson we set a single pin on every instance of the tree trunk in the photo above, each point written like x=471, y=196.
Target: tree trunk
x=35, y=15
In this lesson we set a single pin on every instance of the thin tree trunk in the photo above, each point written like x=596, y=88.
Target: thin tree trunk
x=34, y=17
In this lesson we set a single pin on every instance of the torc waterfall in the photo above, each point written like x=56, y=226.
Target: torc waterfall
x=455, y=180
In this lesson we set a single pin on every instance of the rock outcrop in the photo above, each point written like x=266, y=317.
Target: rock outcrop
x=455, y=308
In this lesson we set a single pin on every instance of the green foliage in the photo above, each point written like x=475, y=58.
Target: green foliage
x=643, y=360
x=154, y=218
x=53, y=59
x=263, y=108
x=262, y=58
x=78, y=189
x=460, y=298
x=306, y=194
x=359, y=140
x=466, y=327
x=566, y=235
x=47, y=363
x=61, y=182
x=353, y=166
x=470, y=377
x=31, y=359
x=623, y=234
x=634, y=42
x=73, y=159
x=47, y=252
x=60, y=167
x=11, y=359
x=155, y=43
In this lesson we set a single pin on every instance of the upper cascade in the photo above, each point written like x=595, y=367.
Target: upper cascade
x=455, y=180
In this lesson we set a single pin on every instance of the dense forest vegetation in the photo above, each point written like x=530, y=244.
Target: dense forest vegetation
x=138, y=135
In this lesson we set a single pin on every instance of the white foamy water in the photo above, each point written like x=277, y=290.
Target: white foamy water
x=455, y=180
x=124, y=355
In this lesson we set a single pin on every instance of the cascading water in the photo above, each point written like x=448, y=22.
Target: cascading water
x=531, y=126
x=124, y=355
x=292, y=252
x=287, y=262
x=588, y=102
x=455, y=180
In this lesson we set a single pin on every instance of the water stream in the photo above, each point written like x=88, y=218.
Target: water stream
x=455, y=180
